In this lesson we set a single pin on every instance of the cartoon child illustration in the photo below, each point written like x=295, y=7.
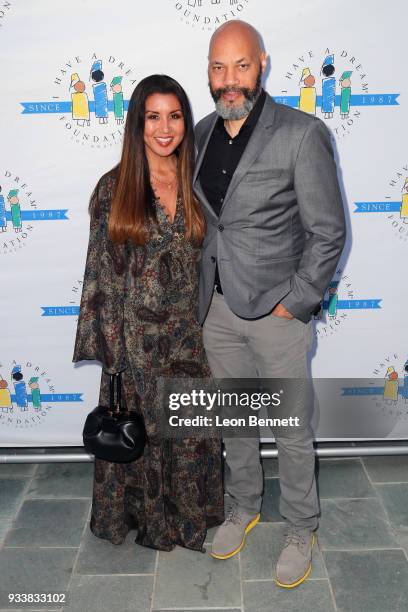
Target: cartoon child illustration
x=390, y=394
x=307, y=97
x=35, y=392
x=333, y=299
x=15, y=209
x=3, y=217
x=6, y=404
x=100, y=92
x=118, y=107
x=405, y=385
x=404, y=202
x=345, y=97
x=19, y=387
x=80, y=102
x=328, y=87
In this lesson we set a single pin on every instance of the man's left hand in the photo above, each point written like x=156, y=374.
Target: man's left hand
x=280, y=311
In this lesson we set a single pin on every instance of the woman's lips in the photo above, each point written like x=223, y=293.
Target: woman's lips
x=164, y=141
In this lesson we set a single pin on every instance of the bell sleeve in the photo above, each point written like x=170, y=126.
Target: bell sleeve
x=100, y=329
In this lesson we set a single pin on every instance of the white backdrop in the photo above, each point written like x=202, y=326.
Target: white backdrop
x=54, y=163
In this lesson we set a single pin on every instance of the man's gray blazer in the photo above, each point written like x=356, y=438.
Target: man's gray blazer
x=281, y=228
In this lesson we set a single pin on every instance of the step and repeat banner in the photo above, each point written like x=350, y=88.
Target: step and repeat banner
x=68, y=71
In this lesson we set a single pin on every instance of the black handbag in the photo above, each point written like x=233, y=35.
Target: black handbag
x=114, y=433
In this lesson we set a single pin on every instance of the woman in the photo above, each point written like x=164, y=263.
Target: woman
x=137, y=314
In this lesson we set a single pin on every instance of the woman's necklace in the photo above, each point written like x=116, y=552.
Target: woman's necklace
x=167, y=184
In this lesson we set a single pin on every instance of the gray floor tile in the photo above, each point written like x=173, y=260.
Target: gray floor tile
x=371, y=581
x=36, y=570
x=17, y=469
x=199, y=610
x=354, y=524
x=343, y=478
x=205, y=582
x=270, y=503
x=395, y=500
x=210, y=535
x=270, y=468
x=5, y=525
x=12, y=490
x=266, y=596
x=98, y=556
x=387, y=469
x=46, y=522
x=107, y=593
x=62, y=480
x=402, y=539
x=263, y=547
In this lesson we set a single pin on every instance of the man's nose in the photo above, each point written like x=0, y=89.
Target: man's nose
x=231, y=77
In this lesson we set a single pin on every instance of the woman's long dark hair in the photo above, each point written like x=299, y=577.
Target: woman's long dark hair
x=132, y=204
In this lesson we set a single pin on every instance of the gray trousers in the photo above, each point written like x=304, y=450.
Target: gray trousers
x=269, y=347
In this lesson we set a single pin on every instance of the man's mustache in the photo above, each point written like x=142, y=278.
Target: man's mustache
x=217, y=93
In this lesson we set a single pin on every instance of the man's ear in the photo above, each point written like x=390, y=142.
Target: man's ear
x=264, y=57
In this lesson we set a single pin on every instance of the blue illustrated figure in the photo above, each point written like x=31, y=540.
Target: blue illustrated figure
x=3, y=218
x=19, y=387
x=328, y=87
x=333, y=299
x=405, y=385
x=100, y=92
x=15, y=209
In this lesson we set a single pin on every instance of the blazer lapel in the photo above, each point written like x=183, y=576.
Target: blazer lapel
x=205, y=138
x=258, y=140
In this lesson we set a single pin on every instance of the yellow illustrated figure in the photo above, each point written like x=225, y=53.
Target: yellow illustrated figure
x=391, y=386
x=6, y=404
x=307, y=98
x=80, y=102
x=404, y=203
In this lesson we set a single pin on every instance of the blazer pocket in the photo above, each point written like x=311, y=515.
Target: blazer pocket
x=278, y=259
x=256, y=176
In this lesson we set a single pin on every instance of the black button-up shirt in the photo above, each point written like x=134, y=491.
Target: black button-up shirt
x=222, y=158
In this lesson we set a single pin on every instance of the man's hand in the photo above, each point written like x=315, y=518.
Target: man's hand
x=280, y=311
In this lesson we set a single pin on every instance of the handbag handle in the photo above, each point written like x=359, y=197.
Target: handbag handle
x=115, y=403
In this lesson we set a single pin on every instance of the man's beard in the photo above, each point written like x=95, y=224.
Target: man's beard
x=233, y=113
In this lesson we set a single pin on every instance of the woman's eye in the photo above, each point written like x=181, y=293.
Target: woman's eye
x=176, y=116
x=152, y=116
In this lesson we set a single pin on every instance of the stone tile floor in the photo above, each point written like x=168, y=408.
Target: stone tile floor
x=360, y=563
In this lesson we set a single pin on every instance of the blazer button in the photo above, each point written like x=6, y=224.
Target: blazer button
x=220, y=227
x=213, y=259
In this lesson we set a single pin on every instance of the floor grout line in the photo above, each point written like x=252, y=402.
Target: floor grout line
x=195, y=608
x=399, y=482
x=348, y=498
x=273, y=580
x=355, y=550
x=73, y=571
x=156, y=565
x=241, y=582
x=331, y=591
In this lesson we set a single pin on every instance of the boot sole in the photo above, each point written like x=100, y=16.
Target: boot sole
x=248, y=528
x=292, y=585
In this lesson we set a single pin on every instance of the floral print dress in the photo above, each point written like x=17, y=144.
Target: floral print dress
x=138, y=315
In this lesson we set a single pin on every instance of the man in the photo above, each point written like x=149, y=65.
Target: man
x=266, y=177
